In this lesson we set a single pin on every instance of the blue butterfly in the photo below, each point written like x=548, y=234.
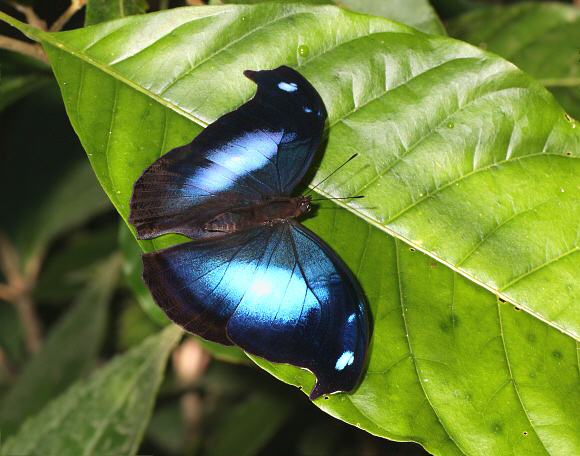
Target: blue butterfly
x=255, y=277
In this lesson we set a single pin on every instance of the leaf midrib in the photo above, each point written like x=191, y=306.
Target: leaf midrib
x=47, y=38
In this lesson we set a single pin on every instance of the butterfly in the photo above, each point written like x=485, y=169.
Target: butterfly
x=253, y=276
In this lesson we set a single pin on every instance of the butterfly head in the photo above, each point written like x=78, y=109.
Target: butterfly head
x=303, y=204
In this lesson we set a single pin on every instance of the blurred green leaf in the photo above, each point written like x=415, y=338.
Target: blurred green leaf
x=248, y=426
x=66, y=271
x=167, y=429
x=418, y=14
x=542, y=38
x=311, y=443
x=105, y=415
x=71, y=203
x=10, y=331
x=70, y=349
x=98, y=11
x=21, y=75
x=461, y=155
x=451, y=8
x=133, y=325
x=230, y=354
x=46, y=188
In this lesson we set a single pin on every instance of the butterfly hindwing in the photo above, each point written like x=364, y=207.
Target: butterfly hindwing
x=277, y=292
x=255, y=153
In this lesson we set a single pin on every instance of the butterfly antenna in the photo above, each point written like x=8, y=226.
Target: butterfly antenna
x=339, y=198
x=317, y=185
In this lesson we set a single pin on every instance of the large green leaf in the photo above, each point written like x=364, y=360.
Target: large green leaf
x=105, y=415
x=542, y=38
x=451, y=364
x=68, y=352
x=462, y=156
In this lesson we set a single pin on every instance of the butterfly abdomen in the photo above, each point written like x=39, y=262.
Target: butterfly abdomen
x=266, y=213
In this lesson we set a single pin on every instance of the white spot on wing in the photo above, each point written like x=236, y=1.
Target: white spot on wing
x=345, y=359
x=288, y=86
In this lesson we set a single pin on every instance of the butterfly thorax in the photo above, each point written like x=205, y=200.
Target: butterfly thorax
x=267, y=213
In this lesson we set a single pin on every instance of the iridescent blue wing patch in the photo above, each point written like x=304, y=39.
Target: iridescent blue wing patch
x=277, y=292
x=255, y=153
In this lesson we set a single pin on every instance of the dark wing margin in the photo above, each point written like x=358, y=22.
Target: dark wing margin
x=258, y=152
x=277, y=292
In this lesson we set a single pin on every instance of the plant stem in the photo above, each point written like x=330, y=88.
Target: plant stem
x=75, y=5
x=32, y=49
x=31, y=17
x=19, y=287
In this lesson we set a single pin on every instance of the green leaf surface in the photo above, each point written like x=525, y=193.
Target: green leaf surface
x=105, y=415
x=246, y=428
x=542, y=38
x=70, y=349
x=451, y=364
x=462, y=156
x=19, y=76
x=98, y=11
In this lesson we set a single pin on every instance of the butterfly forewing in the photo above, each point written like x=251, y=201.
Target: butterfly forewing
x=257, y=152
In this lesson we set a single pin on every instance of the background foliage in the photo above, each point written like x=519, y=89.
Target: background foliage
x=466, y=243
